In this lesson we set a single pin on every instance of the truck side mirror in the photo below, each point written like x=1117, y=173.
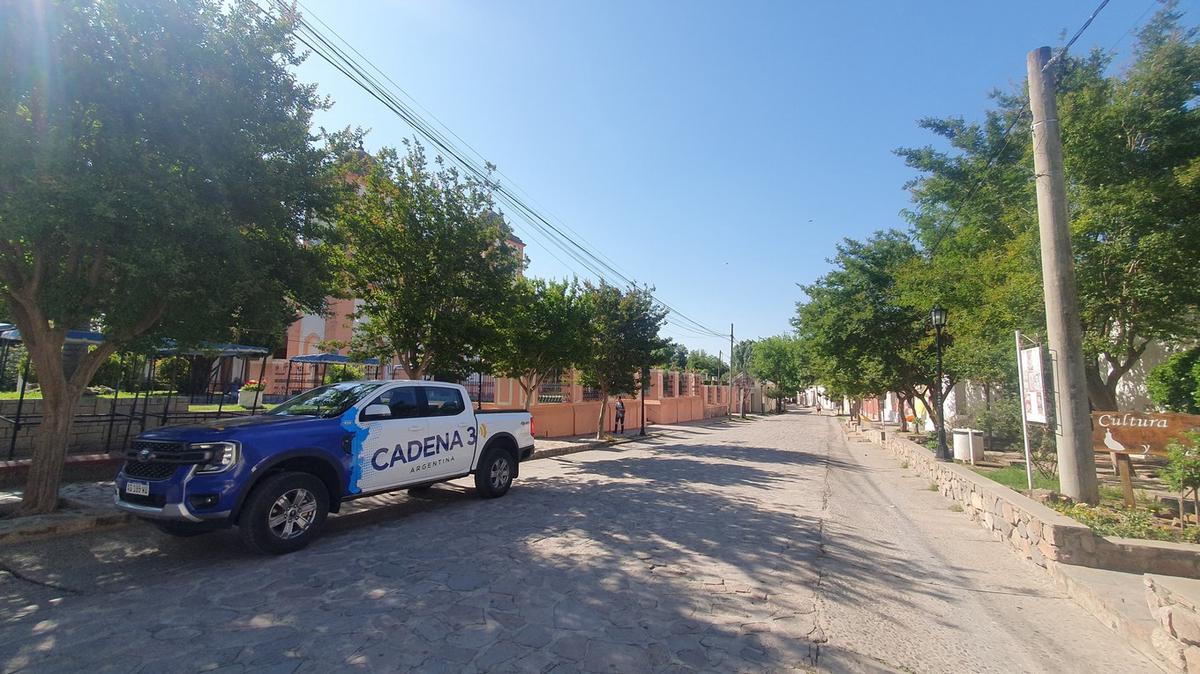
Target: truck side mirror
x=377, y=411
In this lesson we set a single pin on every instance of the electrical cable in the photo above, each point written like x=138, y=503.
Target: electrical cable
x=597, y=264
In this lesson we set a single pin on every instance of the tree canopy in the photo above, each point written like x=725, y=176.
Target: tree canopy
x=623, y=330
x=863, y=335
x=545, y=331
x=782, y=361
x=430, y=260
x=1132, y=161
x=158, y=179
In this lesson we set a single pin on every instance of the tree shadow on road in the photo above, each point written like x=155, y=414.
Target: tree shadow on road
x=628, y=564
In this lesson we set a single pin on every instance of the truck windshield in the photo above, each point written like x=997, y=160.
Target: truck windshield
x=326, y=401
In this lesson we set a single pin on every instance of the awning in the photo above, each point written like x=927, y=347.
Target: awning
x=8, y=333
x=331, y=358
x=73, y=336
x=213, y=349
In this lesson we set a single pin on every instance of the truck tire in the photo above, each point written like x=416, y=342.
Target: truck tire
x=284, y=513
x=181, y=529
x=494, y=475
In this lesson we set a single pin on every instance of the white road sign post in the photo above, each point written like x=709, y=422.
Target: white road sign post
x=1033, y=396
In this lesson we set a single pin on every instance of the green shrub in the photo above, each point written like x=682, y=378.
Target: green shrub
x=1175, y=385
x=1182, y=473
x=340, y=373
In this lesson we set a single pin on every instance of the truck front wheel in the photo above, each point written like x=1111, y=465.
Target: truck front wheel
x=495, y=472
x=283, y=513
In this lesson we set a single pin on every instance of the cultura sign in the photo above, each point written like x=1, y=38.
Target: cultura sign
x=1138, y=432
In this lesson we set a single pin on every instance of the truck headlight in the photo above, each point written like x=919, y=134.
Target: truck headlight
x=224, y=456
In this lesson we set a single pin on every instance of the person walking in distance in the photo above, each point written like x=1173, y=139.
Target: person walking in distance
x=619, y=421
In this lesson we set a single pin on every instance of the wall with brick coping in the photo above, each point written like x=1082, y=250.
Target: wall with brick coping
x=1036, y=532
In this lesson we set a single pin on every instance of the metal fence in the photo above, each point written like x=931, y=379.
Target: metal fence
x=481, y=387
x=554, y=390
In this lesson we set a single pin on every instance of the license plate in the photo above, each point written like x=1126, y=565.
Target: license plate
x=137, y=488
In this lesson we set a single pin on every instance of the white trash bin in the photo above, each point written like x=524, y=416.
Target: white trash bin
x=968, y=445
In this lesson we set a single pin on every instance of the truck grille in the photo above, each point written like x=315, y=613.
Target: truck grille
x=149, y=470
x=165, y=452
x=156, y=446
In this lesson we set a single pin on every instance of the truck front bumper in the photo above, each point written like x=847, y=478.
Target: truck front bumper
x=168, y=499
x=170, y=511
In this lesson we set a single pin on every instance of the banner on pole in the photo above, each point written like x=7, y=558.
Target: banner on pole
x=1033, y=393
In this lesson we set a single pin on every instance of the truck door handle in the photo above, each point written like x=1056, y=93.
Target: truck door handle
x=414, y=428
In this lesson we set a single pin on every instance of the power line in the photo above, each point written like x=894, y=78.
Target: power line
x=442, y=124
x=596, y=264
x=1054, y=59
x=1132, y=27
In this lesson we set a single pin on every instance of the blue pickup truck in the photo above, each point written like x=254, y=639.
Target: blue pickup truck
x=276, y=476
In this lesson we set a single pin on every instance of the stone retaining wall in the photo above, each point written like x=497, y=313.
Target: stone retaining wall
x=1036, y=532
x=1173, y=603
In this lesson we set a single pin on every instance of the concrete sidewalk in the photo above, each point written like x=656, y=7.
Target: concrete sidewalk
x=1116, y=599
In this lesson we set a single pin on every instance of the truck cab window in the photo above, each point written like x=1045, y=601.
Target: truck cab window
x=443, y=402
x=402, y=401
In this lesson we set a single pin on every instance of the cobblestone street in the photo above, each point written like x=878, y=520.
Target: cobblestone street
x=767, y=545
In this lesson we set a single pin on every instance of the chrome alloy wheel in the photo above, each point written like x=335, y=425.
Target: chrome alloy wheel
x=292, y=513
x=500, y=473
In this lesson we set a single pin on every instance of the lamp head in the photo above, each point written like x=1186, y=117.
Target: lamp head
x=938, y=316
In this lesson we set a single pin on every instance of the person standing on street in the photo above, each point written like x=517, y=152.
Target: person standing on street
x=619, y=421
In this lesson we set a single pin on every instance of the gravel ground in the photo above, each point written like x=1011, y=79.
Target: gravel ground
x=770, y=545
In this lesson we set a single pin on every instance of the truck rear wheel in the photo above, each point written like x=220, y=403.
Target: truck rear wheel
x=494, y=475
x=284, y=513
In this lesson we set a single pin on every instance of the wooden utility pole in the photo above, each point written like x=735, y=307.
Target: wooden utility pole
x=1073, y=435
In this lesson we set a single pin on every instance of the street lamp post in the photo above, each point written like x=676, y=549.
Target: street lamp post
x=645, y=385
x=938, y=317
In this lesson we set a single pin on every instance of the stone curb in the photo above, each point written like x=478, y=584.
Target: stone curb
x=39, y=527
x=598, y=444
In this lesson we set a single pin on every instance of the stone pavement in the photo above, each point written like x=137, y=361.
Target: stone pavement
x=755, y=546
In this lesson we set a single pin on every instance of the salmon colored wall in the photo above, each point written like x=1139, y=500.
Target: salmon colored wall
x=560, y=420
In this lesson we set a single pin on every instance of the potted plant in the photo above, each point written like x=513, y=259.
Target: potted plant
x=250, y=395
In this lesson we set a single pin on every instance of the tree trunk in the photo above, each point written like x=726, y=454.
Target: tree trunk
x=49, y=453
x=529, y=385
x=60, y=397
x=1101, y=393
x=903, y=414
x=603, y=414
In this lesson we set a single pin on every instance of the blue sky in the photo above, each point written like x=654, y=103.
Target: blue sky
x=715, y=150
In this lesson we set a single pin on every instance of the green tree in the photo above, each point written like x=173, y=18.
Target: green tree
x=670, y=355
x=156, y=179
x=1132, y=164
x=624, y=334
x=861, y=336
x=1182, y=472
x=545, y=331
x=430, y=260
x=699, y=360
x=781, y=360
x=743, y=353
x=1175, y=385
